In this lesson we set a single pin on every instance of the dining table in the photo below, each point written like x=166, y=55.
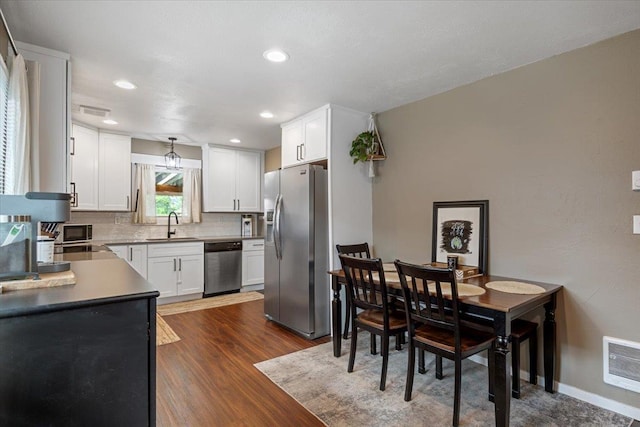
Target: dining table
x=499, y=308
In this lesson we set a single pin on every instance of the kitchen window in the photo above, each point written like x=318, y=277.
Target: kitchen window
x=169, y=195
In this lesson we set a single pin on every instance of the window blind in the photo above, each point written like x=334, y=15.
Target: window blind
x=4, y=104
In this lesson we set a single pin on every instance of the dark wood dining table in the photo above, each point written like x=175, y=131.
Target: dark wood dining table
x=497, y=306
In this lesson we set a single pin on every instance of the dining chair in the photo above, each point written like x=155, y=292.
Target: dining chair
x=434, y=323
x=379, y=316
x=359, y=250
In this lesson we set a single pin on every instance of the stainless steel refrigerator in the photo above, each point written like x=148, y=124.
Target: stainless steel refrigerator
x=296, y=284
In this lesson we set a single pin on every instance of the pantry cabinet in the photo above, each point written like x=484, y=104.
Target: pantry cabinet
x=304, y=140
x=232, y=180
x=100, y=170
x=135, y=255
x=176, y=268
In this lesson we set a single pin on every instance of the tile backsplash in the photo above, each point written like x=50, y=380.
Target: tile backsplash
x=119, y=226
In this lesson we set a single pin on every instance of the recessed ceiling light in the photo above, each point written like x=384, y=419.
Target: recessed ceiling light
x=124, y=84
x=109, y=122
x=275, y=55
x=266, y=115
x=235, y=140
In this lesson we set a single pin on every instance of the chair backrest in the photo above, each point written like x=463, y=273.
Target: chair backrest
x=360, y=250
x=367, y=288
x=430, y=306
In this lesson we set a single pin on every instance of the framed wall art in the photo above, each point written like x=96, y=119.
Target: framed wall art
x=461, y=228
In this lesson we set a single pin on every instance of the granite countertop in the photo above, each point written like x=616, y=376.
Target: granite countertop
x=180, y=239
x=97, y=281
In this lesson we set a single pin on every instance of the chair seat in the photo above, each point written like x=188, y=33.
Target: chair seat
x=375, y=318
x=522, y=329
x=470, y=339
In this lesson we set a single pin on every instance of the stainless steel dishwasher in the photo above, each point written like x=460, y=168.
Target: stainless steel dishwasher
x=222, y=267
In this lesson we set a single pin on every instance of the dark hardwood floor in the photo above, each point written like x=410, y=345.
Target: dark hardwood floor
x=208, y=378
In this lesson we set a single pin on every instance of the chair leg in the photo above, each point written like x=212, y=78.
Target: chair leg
x=456, y=392
x=385, y=360
x=347, y=319
x=533, y=358
x=491, y=361
x=439, y=367
x=354, y=343
x=372, y=345
x=515, y=369
x=410, y=368
x=421, y=368
x=399, y=341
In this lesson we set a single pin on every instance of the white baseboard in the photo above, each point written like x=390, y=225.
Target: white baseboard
x=585, y=396
x=249, y=288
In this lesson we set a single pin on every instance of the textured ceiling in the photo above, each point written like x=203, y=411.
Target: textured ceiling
x=201, y=75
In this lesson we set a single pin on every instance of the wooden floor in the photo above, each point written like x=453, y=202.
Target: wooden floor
x=208, y=378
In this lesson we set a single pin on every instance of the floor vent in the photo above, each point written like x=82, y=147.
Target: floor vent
x=621, y=362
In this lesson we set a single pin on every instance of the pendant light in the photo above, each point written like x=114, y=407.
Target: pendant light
x=172, y=159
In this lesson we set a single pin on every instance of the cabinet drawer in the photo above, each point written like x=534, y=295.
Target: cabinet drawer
x=253, y=245
x=175, y=249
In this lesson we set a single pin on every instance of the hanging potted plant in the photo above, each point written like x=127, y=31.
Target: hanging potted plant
x=364, y=146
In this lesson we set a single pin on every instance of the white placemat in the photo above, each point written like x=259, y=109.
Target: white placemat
x=515, y=287
x=464, y=289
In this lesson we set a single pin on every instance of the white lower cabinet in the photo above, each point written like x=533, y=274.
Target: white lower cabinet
x=252, y=262
x=176, y=268
x=135, y=255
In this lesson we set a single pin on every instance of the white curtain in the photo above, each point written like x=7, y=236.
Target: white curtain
x=33, y=77
x=18, y=153
x=145, y=186
x=191, y=190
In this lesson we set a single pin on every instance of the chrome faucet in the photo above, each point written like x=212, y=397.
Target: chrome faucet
x=169, y=232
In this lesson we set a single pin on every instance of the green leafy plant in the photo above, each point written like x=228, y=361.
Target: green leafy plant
x=363, y=146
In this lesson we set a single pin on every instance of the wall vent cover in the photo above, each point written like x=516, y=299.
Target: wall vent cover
x=94, y=111
x=621, y=363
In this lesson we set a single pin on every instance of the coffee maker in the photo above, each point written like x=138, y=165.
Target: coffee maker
x=31, y=208
x=247, y=226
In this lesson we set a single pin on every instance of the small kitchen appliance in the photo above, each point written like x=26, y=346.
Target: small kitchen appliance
x=247, y=226
x=37, y=207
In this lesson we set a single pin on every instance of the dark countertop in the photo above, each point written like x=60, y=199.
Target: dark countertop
x=97, y=281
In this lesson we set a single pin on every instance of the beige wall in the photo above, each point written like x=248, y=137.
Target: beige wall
x=159, y=148
x=272, y=159
x=552, y=146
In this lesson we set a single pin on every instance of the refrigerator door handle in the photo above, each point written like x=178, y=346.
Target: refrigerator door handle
x=276, y=227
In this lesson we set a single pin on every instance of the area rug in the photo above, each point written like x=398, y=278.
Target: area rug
x=164, y=333
x=204, y=303
x=320, y=383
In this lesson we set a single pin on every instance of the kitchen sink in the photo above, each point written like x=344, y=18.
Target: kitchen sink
x=171, y=239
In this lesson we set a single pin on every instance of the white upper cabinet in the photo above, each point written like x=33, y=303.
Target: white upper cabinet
x=84, y=168
x=53, y=73
x=304, y=140
x=114, y=169
x=100, y=170
x=232, y=180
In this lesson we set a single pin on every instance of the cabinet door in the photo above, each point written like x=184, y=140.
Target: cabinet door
x=114, y=172
x=191, y=274
x=248, y=181
x=54, y=116
x=84, y=168
x=315, y=137
x=252, y=268
x=162, y=274
x=220, y=192
x=120, y=250
x=138, y=259
x=291, y=143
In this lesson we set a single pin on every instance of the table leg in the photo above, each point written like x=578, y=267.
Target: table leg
x=502, y=371
x=336, y=313
x=549, y=333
